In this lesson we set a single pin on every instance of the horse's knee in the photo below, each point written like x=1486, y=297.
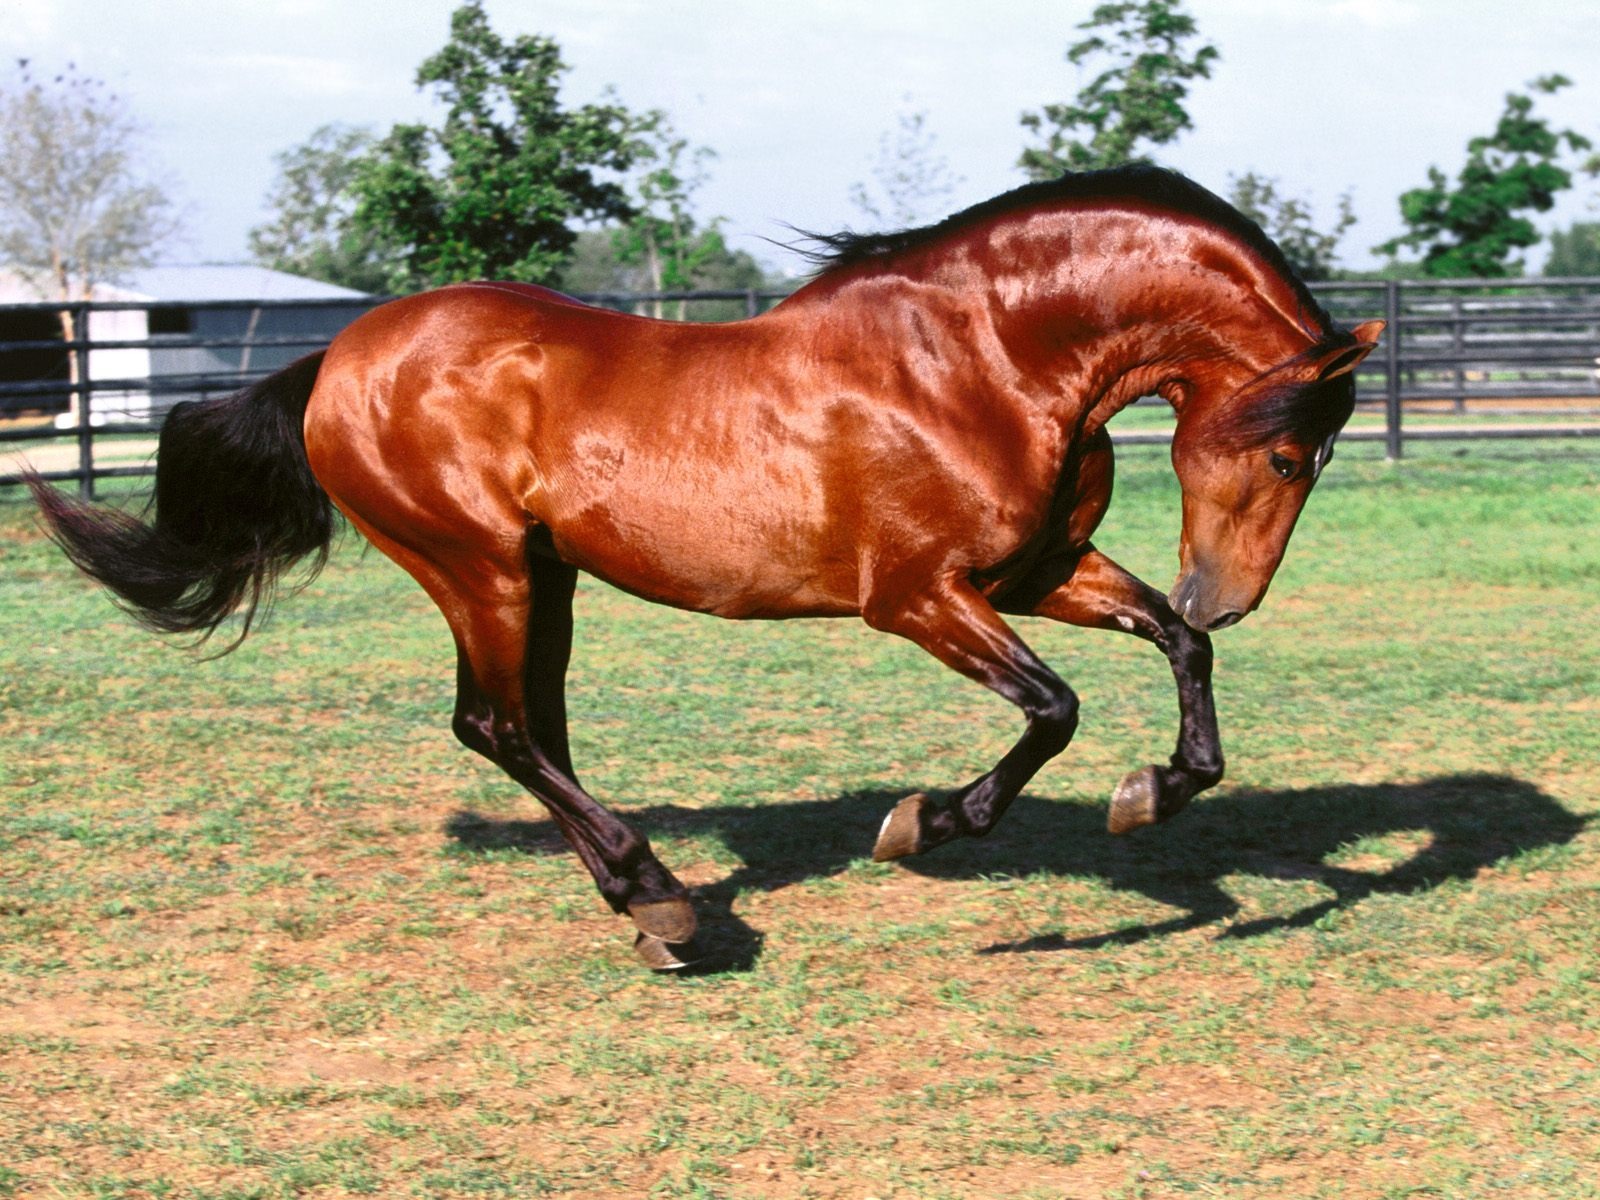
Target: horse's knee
x=1056, y=717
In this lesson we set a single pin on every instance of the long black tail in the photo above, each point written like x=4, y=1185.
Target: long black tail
x=235, y=506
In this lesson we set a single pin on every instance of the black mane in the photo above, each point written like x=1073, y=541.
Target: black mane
x=1140, y=182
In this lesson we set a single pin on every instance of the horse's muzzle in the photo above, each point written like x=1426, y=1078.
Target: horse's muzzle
x=1199, y=602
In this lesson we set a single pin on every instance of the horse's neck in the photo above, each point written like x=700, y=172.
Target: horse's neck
x=1110, y=307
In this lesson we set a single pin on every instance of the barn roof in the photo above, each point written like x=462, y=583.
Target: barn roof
x=194, y=284
x=213, y=281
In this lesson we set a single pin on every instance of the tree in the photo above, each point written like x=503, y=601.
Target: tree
x=664, y=247
x=314, y=232
x=595, y=267
x=490, y=191
x=1289, y=222
x=663, y=237
x=1473, y=227
x=911, y=179
x=1136, y=98
x=76, y=208
x=1575, y=251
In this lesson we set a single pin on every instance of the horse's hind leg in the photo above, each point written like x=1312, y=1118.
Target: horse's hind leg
x=511, y=708
x=512, y=622
x=1094, y=591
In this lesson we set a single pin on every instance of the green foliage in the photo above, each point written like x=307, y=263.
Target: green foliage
x=1575, y=251
x=910, y=178
x=495, y=188
x=75, y=207
x=596, y=268
x=491, y=191
x=1473, y=227
x=1289, y=222
x=1137, y=98
x=313, y=199
x=664, y=247
x=663, y=238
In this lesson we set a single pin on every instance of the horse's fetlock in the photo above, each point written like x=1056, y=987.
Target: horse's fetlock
x=1206, y=770
x=616, y=893
x=634, y=856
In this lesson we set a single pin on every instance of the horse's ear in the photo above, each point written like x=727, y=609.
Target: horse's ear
x=1367, y=332
x=1341, y=360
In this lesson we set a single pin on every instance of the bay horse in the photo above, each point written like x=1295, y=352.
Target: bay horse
x=916, y=438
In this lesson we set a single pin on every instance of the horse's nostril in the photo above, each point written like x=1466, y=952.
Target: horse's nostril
x=1182, y=590
x=1226, y=619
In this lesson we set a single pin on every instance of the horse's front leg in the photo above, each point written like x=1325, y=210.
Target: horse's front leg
x=955, y=624
x=1093, y=591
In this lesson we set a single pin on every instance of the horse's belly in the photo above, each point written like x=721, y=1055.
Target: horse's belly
x=729, y=565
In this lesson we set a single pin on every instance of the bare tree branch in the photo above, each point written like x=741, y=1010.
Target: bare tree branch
x=75, y=206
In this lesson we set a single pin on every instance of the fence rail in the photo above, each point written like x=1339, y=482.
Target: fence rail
x=1520, y=356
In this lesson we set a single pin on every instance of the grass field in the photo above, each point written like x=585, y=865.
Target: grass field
x=267, y=931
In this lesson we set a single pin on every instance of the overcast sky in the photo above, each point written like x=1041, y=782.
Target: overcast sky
x=1325, y=95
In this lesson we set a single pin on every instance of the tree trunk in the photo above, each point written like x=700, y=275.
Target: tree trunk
x=677, y=261
x=653, y=258
x=64, y=292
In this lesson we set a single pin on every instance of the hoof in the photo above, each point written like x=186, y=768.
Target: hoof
x=664, y=956
x=902, y=830
x=671, y=920
x=1136, y=803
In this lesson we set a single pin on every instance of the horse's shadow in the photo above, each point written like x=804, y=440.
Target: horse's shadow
x=1464, y=823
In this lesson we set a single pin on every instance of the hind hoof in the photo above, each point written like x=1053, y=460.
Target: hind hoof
x=901, y=833
x=1136, y=803
x=670, y=920
x=664, y=956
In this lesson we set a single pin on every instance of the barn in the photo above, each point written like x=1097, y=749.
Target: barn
x=168, y=327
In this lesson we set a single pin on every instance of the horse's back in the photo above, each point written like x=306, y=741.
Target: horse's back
x=466, y=415
x=770, y=467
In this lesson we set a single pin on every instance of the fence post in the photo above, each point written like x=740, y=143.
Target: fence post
x=752, y=306
x=80, y=358
x=1458, y=343
x=1391, y=400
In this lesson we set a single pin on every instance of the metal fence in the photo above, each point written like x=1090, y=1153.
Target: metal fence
x=80, y=405
x=1520, y=356
x=1459, y=360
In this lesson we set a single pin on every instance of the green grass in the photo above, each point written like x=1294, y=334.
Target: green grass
x=251, y=946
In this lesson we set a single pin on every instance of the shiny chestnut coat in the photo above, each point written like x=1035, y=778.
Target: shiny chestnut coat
x=917, y=437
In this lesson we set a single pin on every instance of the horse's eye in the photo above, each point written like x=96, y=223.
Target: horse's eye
x=1283, y=465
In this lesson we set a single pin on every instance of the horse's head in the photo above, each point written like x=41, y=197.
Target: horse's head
x=1246, y=461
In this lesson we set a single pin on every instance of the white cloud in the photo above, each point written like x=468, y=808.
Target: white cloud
x=1378, y=14
x=296, y=73
x=28, y=23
